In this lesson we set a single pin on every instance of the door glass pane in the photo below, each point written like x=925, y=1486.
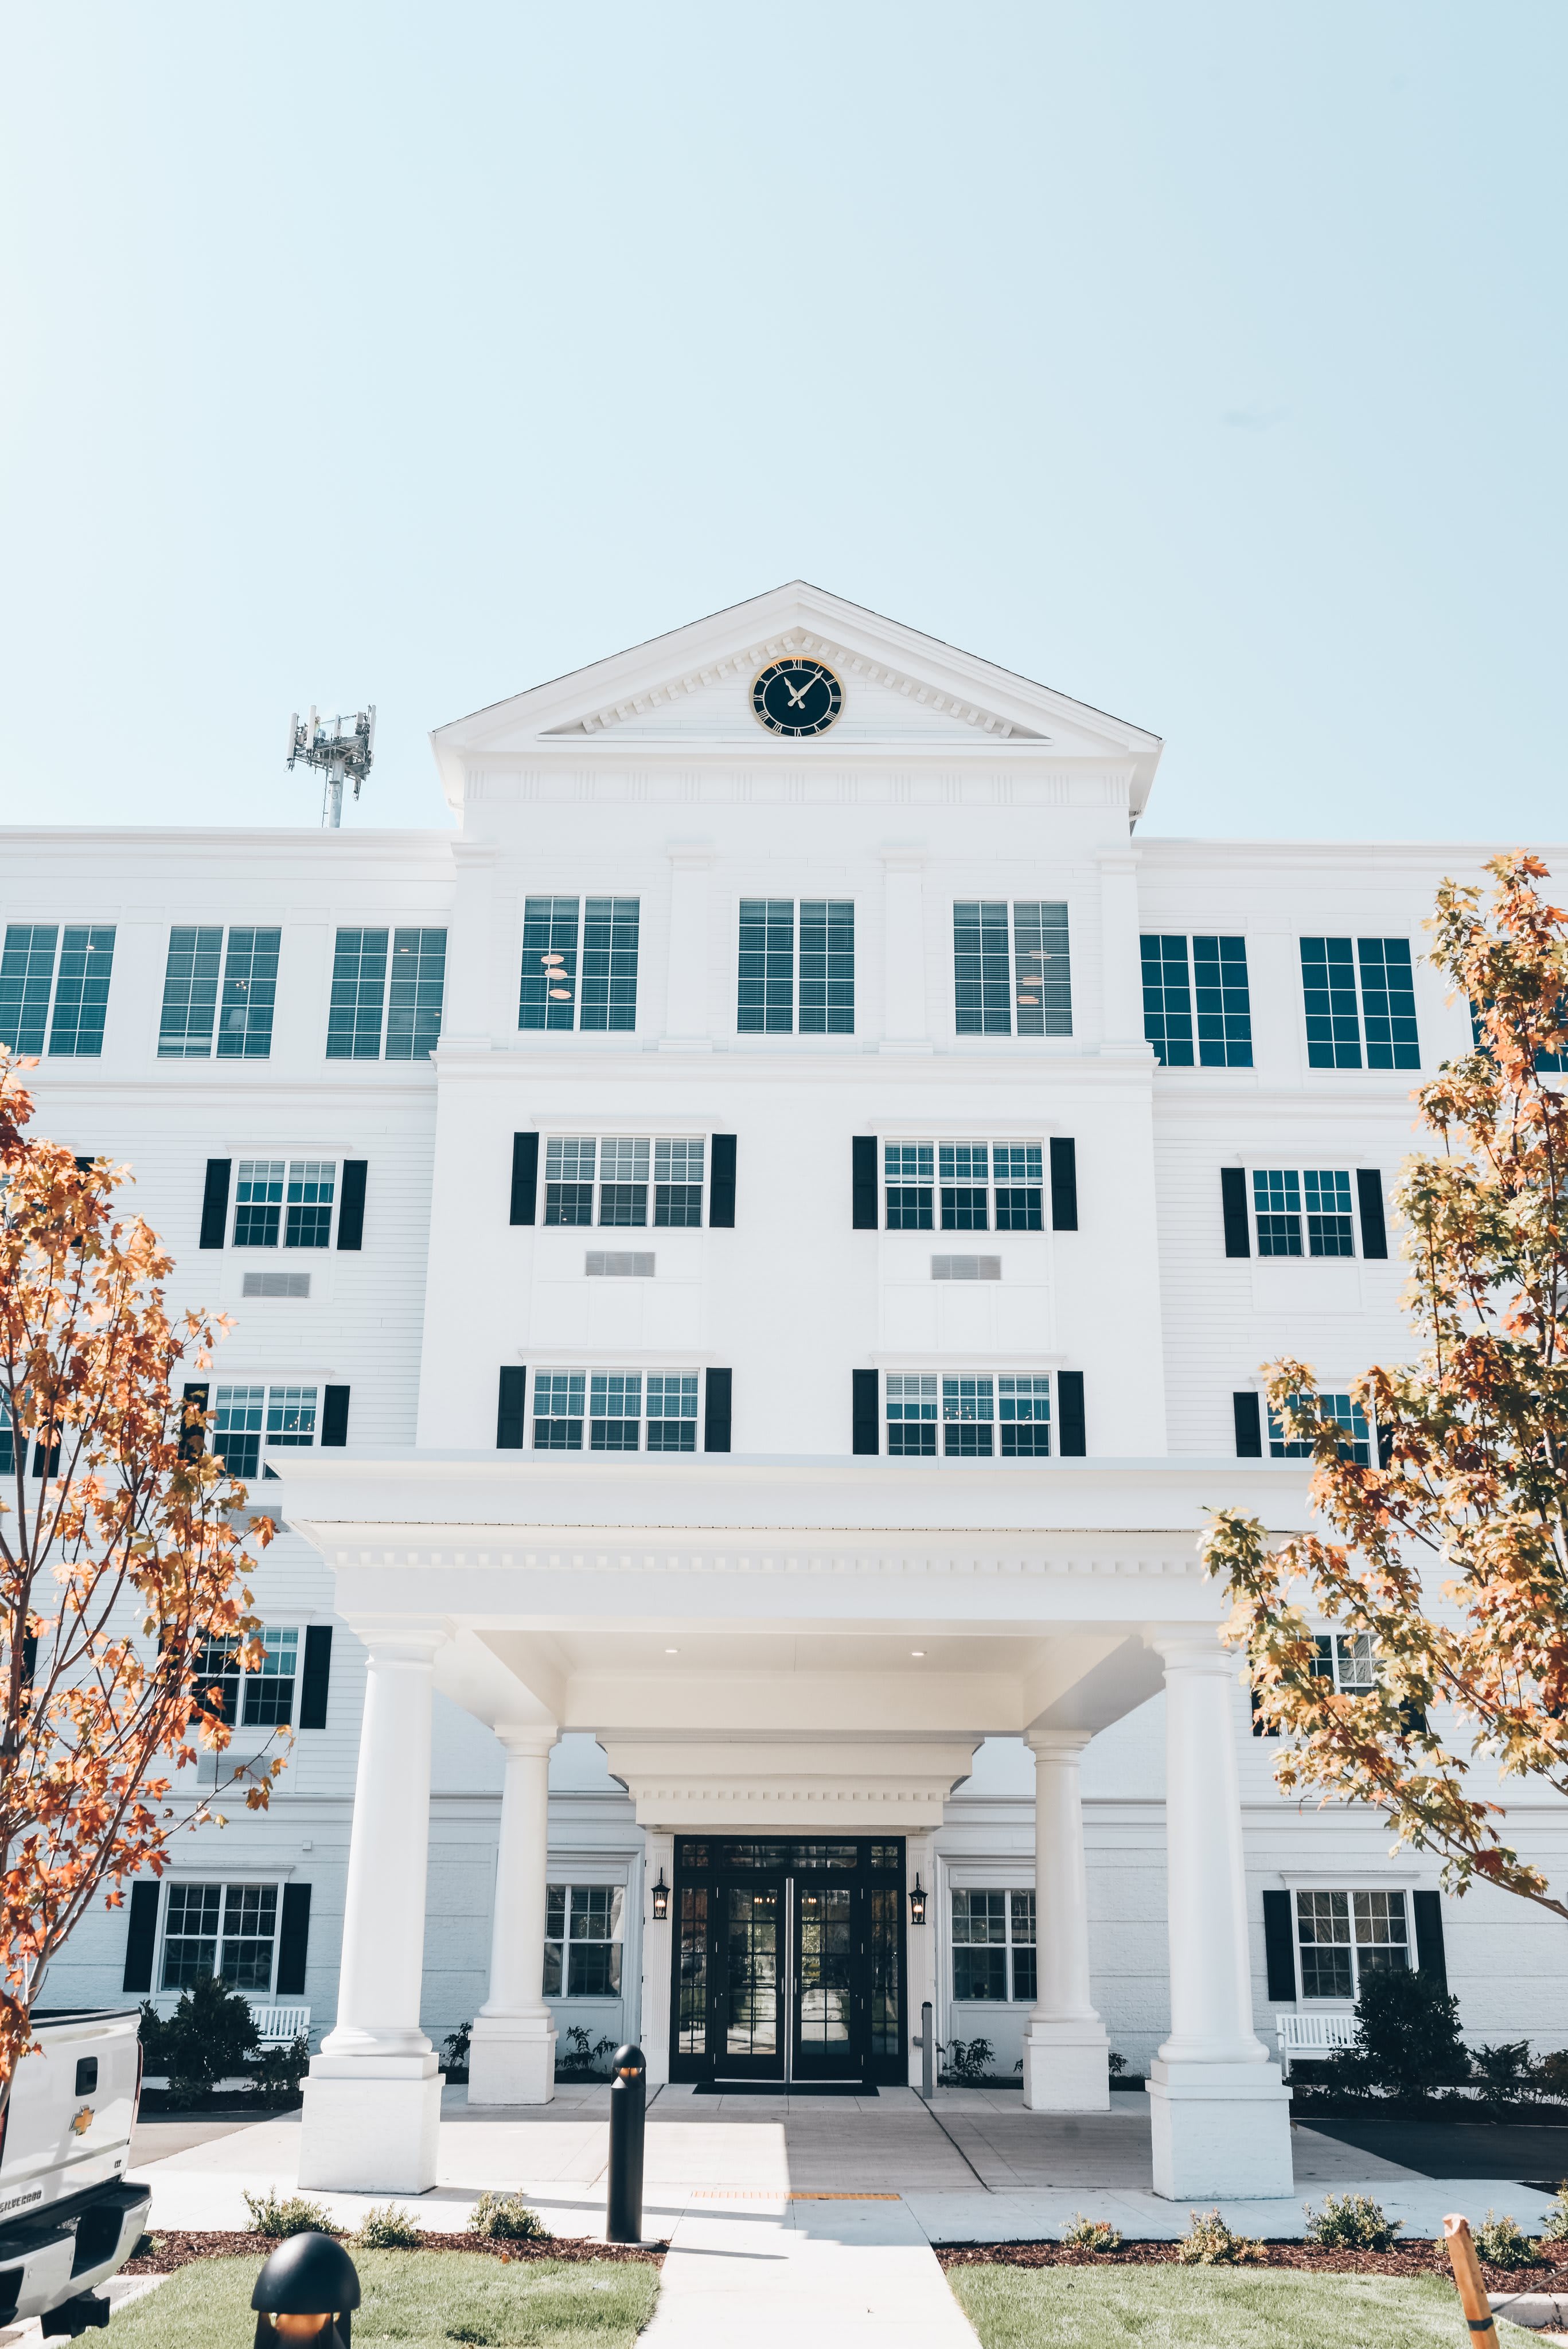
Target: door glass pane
x=825, y=1961
x=887, y=1911
x=752, y=1961
x=693, y=1976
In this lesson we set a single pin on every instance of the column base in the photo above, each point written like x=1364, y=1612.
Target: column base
x=369, y=2124
x=1065, y=2068
x=512, y=2059
x=1221, y=2130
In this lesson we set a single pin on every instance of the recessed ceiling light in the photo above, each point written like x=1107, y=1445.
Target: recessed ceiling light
x=917, y=1651
x=673, y=1652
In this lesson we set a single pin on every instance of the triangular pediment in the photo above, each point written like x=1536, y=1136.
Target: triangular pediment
x=691, y=689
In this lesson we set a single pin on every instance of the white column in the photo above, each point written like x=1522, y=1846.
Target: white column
x=1121, y=968
x=512, y=2047
x=1065, y=2048
x=1220, y=2112
x=650, y=2029
x=372, y=2100
x=906, y=1026
x=468, y=1017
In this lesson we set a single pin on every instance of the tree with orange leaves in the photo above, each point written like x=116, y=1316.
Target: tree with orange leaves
x=1466, y=1498
x=121, y=1555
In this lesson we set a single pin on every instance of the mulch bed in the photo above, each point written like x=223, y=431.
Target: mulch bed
x=177, y=2248
x=1417, y=2258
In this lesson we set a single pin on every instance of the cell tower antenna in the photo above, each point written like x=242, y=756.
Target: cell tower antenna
x=342, y=747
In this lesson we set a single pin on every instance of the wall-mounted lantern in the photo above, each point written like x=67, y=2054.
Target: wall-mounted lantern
x=916, y=1901
x=661, y=1901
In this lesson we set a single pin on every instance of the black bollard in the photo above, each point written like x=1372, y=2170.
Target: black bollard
x=628, y=2102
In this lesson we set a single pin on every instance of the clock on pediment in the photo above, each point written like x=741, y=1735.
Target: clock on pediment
x=796, y=697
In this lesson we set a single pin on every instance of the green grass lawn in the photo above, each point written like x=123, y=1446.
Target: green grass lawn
x=420, y=2300
x=1169, y=2308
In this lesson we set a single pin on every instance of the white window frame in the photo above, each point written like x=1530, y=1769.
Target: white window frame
x=797, y=978
x=1011, y=1897
x=1350, y=1892
x=389, y=980
x=1298, y=1175
x=936, y=1144
x=644, y=1379
x=1274, y=1447
x=564, y=1942
x=1055, y=1023
x=652, y=1144
x=189, y=1050
x=292, y=1167
x=950, y=1411
x=290, y=1394
x=228, y=1883
x=95, y=935
x=536, y=962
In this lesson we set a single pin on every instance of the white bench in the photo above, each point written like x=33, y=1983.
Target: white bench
x=1313, y=2036
x=279, y=2027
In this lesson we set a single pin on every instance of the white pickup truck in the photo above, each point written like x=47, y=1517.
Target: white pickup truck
x=67, y=2219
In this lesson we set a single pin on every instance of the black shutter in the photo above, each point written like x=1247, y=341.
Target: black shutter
x=1233, y=1207
x=142, y=1939
x=292, y=1940
x=867, y=1422
x=84, y=1165
x=524, y=1176
x=351, y=1207
x=1385, y=1446
x=509, y=1408
x=1070, y=1414
x=335, y=1415
x=722, y=1184
x=215, y=1202
x=1259, y=1727
x=716, y=1411
x=1369, y=1199
x=1248, y=1414
x=316, y=1680
x=1429, y=1957
x=1280, y=1947
x=1064, y=1182
x=193, y=1440
x=46, y=1460
x=862, y=1216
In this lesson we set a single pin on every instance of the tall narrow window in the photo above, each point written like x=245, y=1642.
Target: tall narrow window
x=1012, y=979
x=258, y=1202
x=982, y=977
x=359, y=995
x=549, y=991
x=678, y=1184
x=1219, y=1033
x=558, y=1397
x=1043, y=974
x=312, y=1183
x=827, y=967
x=765, y=1002
x=609, y=962
x=912, y=1415
x=968, y=1413
x=1355, y=987
x=569, y=1163
x=190, y=993
x=78, y=988
x=249, y=994
x=415, y=995
x=554, y=992
x=910, y=1168
x=1168, y=1000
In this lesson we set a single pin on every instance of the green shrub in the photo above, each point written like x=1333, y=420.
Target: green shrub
x=1406, y=2037
x=389, y=2229
x=1552, y=2073
x=1506, y=2072
x=1502, y=2242
x=1091, y=2234
x=584, y=2057
x=278, y=2071
x=1556, y=2228
x=1210, y=2244
x=507, y=2218
x=210, y=2036
x=968, y=2061
x=455, y=2052
x=1351, y=2222
x=295, y=2216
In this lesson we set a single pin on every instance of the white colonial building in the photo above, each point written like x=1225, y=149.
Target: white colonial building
x=750, y=1256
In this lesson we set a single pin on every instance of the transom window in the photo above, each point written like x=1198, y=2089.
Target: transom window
x=289, y=1199
x=585, y=1173
x=1355, y=991
x=46, y=967
x=579, y=963
x=1011, y=969
x=615, y=1410
x=1283, y=1199
x=245, y=1418
x=1343, y=1936
x=583, y=1935
x=387, y=988
x=979, y=1417
x=1357, y=1445
x=766, y=998
x=228, y=1931
x=1198, y=1009
x=974, y=1186
x=993, y=1946
x=210, y=990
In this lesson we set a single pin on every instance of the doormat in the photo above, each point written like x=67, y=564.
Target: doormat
x=782, y=2088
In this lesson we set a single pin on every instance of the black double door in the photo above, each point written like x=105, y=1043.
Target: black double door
x=789, y=1962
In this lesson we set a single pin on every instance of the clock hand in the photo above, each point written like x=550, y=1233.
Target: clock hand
x=796, y=699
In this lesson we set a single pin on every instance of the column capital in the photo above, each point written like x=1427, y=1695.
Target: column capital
x=1057, y=1745
x=1193, y=1647
x=528, y=1738
x=400, y=1640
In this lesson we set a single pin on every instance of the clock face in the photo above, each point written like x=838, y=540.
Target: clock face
x=797, y=696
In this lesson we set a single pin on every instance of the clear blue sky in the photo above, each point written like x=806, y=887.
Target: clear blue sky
x=1204, y=361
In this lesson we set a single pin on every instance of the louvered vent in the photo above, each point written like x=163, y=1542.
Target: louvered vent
x=618, y=1264
x=277, y=1284
x=965, y=1268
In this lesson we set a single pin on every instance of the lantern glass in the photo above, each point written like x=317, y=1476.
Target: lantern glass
x=917, y=1902
x=661, y=1901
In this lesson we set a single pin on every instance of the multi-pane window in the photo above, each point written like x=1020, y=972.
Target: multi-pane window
x=993, y=1946
x=614, y=1174
x=390, y=981
x=1199, y=1013
x=227, y=1930
x=1358, y=1444
x=213, y=990
x=579, y=963
x=980, y=1417
x=1313, y=1203
x=46, y=967
x=583, y=1935
x=1343, y=1936
x=269, y=1693
x=1348, y=1659
x=766, y=1000
x=1357, y=990
x=615, y=1410
x=972, y=1186
x=246, y=1418
x=289, y=1198
x=1011, y=969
